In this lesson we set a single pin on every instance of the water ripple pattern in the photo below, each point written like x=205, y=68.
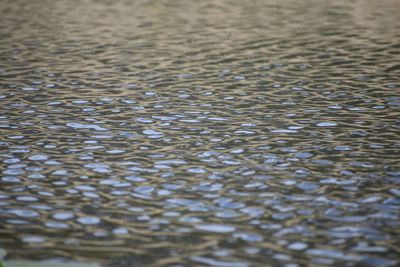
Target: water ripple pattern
x=200, y=133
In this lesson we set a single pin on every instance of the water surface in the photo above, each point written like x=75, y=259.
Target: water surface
x=200, y=133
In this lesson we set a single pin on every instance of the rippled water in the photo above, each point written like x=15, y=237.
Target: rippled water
x=201, y=133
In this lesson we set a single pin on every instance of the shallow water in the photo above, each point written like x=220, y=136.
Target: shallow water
x=200, y=133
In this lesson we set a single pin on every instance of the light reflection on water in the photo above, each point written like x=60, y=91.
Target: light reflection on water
x=185, y=133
